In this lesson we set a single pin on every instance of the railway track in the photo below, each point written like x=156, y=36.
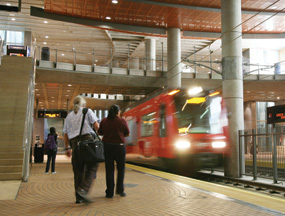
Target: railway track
x=257, y=185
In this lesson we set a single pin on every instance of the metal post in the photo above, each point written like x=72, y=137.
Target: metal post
x=241, y=153
x=74, y=59
x=40, y=53
x=162, y=60
x=93, y=60
x=211, y=72
x=254, y=154
x=111, y=61
x=195, y=65
x=128, y=58
x=67, y=106
x=274, y=155
x=55, y=56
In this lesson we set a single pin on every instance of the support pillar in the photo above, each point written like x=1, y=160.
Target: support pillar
x=173, y=58
x=232, y=80
x=150, y=54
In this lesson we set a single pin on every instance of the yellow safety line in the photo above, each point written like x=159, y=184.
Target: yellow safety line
x=267, y=201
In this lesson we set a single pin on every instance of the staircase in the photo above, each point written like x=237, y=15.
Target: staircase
x=15, y=75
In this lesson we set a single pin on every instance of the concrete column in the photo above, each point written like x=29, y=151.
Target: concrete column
x=150, y=54
x=232, y=79
x=134, y=63
x=29, y=42
x=173, y=58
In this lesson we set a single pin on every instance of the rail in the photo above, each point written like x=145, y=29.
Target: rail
x=88, y=62
x=27, y=139
x=263, y=151
x=1, y=48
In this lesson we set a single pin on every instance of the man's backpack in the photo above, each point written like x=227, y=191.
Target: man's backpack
x=50, y=142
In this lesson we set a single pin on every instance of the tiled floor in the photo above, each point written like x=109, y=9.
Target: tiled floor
x=53, y=194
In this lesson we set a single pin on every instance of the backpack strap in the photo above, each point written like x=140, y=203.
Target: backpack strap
x=84, y=111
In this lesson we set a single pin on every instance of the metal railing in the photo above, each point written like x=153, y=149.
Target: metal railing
x=75, y=60
x=27, y=138
x=264, y=153
x=1, y=48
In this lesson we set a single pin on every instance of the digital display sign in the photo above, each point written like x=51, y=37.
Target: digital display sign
x=52, y=114
x=276, y=114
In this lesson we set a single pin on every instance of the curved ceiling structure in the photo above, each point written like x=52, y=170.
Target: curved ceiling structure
x=188, y=15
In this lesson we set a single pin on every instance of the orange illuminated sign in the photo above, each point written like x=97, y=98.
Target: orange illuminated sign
x=51, y=115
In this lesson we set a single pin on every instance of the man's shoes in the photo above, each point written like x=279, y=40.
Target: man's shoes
x=53, y=172
x=122, y=194
x=109, y=196
x=79, y=201
x=83, y=196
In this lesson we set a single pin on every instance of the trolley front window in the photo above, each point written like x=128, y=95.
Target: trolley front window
x=201, y=117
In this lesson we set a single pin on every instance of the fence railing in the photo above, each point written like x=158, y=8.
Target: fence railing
x=264, y=153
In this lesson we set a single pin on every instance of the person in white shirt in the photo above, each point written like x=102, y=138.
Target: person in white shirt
x=83, y=174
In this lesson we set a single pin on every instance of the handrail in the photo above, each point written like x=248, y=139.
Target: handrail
x=94, y=59
x=1, y=48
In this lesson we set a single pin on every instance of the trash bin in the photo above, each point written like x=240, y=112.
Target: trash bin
x=39, y=153
x=45, y=54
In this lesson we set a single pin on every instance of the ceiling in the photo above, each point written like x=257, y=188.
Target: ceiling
x=82, y=27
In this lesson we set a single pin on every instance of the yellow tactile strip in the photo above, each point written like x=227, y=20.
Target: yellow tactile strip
x=53, y=194
x=267, y=201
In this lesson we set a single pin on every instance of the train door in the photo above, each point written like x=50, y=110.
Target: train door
x=162, y=145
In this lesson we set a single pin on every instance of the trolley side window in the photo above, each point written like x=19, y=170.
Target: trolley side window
x=162, y=123
x=131, y=140
x=147, y=124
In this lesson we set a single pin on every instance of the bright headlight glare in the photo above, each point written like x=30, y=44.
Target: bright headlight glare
x=182, y=144
x=218, y=144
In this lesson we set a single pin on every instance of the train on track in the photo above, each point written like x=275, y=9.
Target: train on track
x=174, y=131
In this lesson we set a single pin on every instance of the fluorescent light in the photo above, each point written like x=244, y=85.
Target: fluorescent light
x=108, y=18
x=114, y=1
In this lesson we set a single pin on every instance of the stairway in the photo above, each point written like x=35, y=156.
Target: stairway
x=14, y=81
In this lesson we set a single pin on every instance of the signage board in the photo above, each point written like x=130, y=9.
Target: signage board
x=276, y=114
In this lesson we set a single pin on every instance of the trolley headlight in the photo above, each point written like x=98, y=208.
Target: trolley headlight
x=219, y=144
x=182, y=144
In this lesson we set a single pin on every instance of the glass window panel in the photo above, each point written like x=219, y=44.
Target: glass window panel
x=15, y=38
x=147, y=127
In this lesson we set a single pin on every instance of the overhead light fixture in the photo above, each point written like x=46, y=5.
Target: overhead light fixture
x=46, y=36
x=8, y=4
x=108, y=18
x=44, y=42
x=13, y=19
x=114, y=1
x=195, y=90
x=45, y=22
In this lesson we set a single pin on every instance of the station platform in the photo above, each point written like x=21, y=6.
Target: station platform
x=149, y=192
